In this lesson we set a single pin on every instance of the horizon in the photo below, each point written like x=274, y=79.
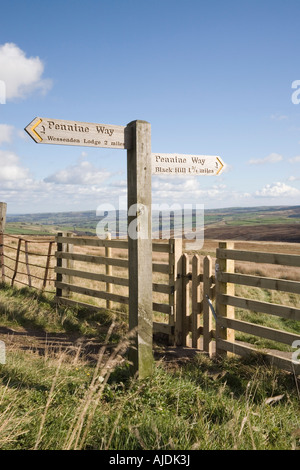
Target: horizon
x=279, y=206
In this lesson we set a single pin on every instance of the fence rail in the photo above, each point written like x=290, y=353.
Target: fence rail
x=258, y=257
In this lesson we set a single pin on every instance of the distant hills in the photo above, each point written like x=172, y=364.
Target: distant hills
x=276, y=223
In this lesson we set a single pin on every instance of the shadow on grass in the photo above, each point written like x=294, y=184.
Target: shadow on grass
x=15, y=380
x=239, y=376
x=37, y=312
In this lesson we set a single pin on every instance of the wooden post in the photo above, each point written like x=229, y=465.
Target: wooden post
x=3, y=207
x=224, y=265
x=185, y=300
x=63, y=263
x=108, y=271
x=207, y=315
x=195, y=302
x=27, y=263
x=160, y=225
x=175, y=281
x=140, y=247
x=172, y=225
x=47, y=265
x=17, y=262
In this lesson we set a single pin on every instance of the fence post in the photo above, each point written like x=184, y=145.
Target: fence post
x=3, y=207
x=108, y=271
x=224, y=265
x=27, y=263
x=63, y=263
x=47, y=265
x=207, y=316
x=175, y=281
x=16, y=262
x=195, y=304
x=140, y=248
x=185, y=301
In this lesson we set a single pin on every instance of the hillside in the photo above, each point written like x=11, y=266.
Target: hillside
x=274, y=223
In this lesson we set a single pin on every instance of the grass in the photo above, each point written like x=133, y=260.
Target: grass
x=62, y=399
x=56, y=403
x=34, y=310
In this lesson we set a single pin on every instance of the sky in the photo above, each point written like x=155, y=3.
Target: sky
x=211, y=77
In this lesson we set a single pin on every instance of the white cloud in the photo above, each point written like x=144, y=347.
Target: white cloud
x=83, y=173
x=278, y=117
x=168, y=188
x=21, y=74
x=272, y=158
x=278, y=190
x=227, y=169
x=119, y=184
x=293, y=178
x=6, y=132
x=11, y=169
x=295, y=159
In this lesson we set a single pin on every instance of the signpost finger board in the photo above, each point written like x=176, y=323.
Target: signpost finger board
x=188, y=165
x=58, y=131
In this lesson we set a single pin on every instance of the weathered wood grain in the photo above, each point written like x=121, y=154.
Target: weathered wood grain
x=62, y=132
x=259, y=257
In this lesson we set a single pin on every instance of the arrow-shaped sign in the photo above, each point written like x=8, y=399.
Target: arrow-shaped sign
x=189, y=165
x=57, y=131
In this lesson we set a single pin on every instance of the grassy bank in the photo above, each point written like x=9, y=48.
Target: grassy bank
x=63, y=402
x=58, y=398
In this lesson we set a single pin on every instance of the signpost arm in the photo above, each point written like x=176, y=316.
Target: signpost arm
x=140, y=247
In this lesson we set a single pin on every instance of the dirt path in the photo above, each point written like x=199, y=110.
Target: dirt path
x=45, y=344
x=48, y=344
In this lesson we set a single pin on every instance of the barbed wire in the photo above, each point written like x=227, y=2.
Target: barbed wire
x=30, y=241
x=28, y=252
x=30, y=275
x=27, y=263
x=32, y=287
x=48, y=269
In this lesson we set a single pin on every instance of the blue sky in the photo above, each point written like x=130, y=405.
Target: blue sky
x=212, y=78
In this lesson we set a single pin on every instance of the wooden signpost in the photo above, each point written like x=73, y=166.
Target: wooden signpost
x=141, y=164
x=136, y=138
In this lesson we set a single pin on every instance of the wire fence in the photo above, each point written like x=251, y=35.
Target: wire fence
x=28, y=262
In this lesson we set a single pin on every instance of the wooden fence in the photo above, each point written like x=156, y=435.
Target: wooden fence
x=192, y=293
x=65, y=272
x=226, y=302
x=182, y=326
